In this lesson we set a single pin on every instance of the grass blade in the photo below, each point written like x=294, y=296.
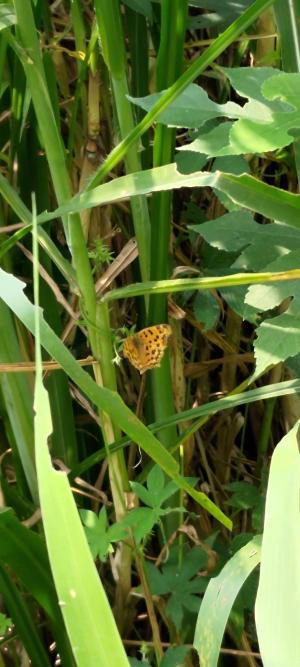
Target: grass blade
x=218, y=600
x=87, y=614
x=278, y=599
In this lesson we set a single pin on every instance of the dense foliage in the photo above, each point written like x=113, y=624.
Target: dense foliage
x=149, y=333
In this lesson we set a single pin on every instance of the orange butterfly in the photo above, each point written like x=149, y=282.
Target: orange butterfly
x=145, y=349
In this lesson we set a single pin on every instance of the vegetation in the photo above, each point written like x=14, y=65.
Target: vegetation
x=149, y=333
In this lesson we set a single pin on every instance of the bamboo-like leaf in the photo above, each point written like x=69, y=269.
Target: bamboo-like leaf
x=218, y=600
x=278, y=598
x=24, y=623
x=89, y=620
x=7, y=16
x=244, y=190
x=25, y=553
x=196, y=414
x=185, y=284
x=88, y=617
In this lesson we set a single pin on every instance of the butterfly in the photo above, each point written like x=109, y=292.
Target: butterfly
x=145, y=349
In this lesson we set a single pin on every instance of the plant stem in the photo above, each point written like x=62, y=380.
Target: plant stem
x=112, y=39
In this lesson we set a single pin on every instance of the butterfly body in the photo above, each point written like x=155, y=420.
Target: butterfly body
x=145, y=349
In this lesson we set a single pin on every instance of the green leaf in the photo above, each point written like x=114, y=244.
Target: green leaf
x=170, y=488
x=258, y=245
x=17, y=398
x=7, y=16
x=174, y=657
x=206, y=310
x=218, y=601
x=239, y=541
x=223, y=13
x=269, y=242
x=231, y=232
x=244, y=190
x=179, y=582
x=278, y=598
x=248, y=82
x=5, y=623
x=141, y=521
x=155, y=484
x=235, y=164
x=25, y=626
x=188, y=162
x=25, y=553
x=191, y=109
x=288, y=31
x=278, y=337
x=142, y=493
x=244, y=496
x=79, y=597
x=262, y=123
x=159, y=490
x=141, y=6
x=98, y=534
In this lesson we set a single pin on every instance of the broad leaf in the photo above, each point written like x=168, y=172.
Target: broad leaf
x=278, y=338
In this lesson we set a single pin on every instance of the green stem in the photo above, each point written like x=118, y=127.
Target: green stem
x=112, y=39
x=169, y=66
x=190, y=284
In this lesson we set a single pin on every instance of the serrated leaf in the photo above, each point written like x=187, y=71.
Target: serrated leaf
x=174, y=609
x=168, y=491
x=235, y=297
x=187, y=162
x=244, y=496
x=99, y=535
x=264, y=121
x=231, y=232
x=191, y=109
x=179, y=582
x=158, y=584
x=248, y=82
x=141, y=521
x=206, y=309
x=279, y=337
x=236, y=164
